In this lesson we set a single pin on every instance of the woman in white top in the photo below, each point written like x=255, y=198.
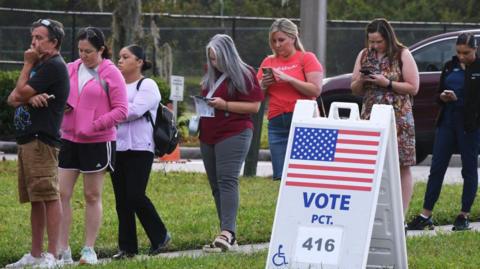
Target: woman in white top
x=135, y=153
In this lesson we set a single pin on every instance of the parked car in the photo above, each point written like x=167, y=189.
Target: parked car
x=430, y=54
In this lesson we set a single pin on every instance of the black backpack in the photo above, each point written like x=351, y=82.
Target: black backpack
x=165, y=133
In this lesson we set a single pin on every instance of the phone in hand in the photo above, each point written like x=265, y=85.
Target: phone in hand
x=68, y=107
x=267, y=70
x=366, y=72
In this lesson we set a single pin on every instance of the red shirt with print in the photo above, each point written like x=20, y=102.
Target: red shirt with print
x=215, y=129
x=283, y=95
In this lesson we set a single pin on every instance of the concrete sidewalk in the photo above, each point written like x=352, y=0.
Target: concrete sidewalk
x=264, y=169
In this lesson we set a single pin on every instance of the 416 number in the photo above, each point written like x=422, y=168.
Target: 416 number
x=328, y=245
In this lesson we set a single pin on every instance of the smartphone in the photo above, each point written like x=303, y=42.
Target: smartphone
x=267, y=71
x=366, y=72
x=68, y=107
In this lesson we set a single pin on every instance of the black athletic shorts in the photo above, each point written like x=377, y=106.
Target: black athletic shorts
x=87, y=157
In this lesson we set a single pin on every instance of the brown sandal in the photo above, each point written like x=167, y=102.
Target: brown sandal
x=211, y=248
x=225, y=244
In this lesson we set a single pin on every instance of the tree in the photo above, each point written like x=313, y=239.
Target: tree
x=126, y=24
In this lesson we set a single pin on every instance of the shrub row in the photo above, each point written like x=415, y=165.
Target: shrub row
x=8, y=80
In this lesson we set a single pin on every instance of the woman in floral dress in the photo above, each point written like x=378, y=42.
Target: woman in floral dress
x=385, y=73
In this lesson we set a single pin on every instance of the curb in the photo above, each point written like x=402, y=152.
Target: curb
x=8, y=147
x=185, y=152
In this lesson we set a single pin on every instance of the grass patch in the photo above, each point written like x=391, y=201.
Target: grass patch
x=185, y=204
x=183, y=200
x=447, y=207
x=233, y=261
x=454, y=251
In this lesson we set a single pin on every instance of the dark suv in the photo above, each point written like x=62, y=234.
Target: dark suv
x=430, y=54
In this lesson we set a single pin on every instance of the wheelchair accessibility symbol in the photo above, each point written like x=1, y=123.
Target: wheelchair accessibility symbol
x=278, y=258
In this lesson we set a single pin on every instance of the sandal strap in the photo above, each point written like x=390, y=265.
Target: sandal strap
x=223, y=237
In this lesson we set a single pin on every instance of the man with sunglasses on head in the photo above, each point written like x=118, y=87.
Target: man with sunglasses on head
x=39, y=99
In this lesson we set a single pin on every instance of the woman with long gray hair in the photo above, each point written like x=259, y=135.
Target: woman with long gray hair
x=231, y=89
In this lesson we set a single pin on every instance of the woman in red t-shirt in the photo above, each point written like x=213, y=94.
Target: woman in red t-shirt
x=233, y=91
x=286, y=76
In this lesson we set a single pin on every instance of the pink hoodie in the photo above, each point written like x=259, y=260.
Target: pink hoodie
x=94, y=116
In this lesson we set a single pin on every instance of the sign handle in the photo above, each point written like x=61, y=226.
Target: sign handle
x=335, y=106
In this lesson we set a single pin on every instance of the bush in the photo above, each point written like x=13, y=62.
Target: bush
x=164, y=88
x=7, y=84
x=8, y=80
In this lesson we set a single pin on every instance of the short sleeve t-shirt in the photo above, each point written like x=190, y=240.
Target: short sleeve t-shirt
x=283, y=95
x=50, y=77
x=224, y=125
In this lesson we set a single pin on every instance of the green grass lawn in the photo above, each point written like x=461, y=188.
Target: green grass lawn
x=185, y=204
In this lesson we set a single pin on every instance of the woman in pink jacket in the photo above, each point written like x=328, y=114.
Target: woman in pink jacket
x=97, y=102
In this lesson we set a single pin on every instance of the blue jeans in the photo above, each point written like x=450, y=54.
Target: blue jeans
x=278, y=129
x=450, y=133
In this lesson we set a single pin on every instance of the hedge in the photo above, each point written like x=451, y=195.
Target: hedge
x=8, y=80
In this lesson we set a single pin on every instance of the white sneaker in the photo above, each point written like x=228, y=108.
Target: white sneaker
x=88, y=256
x=66, y=256
x=49, y=262
x=26, y=260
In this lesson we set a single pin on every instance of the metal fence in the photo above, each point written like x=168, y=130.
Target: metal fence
x=188, y=35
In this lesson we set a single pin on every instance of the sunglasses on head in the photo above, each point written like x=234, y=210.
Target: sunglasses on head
x=90, y=33
x=45, y=23
x=48, y=24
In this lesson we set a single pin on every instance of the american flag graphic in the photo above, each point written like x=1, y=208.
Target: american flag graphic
x=333, y=158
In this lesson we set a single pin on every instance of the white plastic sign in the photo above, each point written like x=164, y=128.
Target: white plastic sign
x=176, y=88
x=329, y=190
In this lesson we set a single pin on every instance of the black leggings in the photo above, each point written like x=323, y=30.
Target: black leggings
x=132, y=171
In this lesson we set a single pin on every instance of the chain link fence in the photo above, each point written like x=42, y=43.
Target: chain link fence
x=188, y=35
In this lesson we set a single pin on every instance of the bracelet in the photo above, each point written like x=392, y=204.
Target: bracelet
x=390, y=86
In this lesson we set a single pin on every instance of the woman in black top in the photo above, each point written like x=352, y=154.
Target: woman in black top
x=457, y=127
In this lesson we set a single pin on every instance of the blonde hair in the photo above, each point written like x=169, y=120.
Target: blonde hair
x=289, y=28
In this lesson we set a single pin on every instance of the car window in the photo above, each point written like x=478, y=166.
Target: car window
x=433, y=56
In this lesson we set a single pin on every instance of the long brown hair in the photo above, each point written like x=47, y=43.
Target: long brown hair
x=383, y=27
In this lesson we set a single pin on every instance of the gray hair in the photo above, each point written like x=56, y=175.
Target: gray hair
x=229, y=63
x=55, y=30
x=289, y=28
